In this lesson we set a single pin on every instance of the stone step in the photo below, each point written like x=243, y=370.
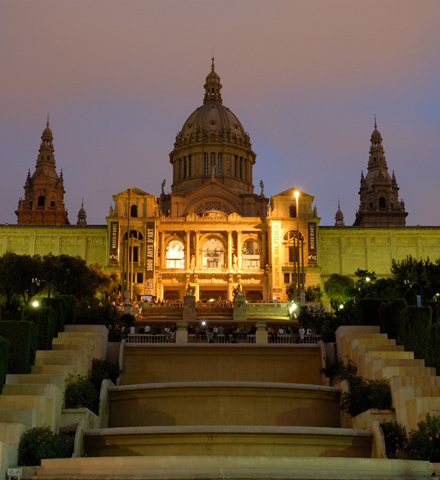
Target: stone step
x=28, y=417
x=417, y=409
x=359, y=350
x=36, y=378
x=87, y=343
x=408, y=380
x=26, y=389
x=65, y=370
x=365, y=358
x=395, y=371
x=71, y=352
x=34, y=402
x=11, y=432
x=375, y=364
x=231, y=467
x=57, y=361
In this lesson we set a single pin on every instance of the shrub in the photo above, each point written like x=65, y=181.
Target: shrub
x=45, y=319
x=424, y=443
x=366, y=394
x=4, y=359
x=368, y=311
x=392, y=317
x=23, y=338
x=81, y=393
x=41, y=442
x=416, y=332
x=395, y=438
x=101, y=370
x=333, y=368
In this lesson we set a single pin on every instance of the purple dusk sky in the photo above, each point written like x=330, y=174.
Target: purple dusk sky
x=305, y=78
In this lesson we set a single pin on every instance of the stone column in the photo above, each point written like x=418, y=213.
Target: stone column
x=229, y=249
x=182, y=332
x=198, y=263
x=263, y=255
x=189, y=307
x=239, y=247
x=261, y=333
x=188, y=250
x=162, y=249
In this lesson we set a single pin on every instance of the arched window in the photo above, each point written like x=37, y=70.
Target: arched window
x=134, y=211
x=175, y=254
x=251, y=254
x=41, y=200
x=382, y=202
x=292, y=211
x=206, y=165
x=213, y=254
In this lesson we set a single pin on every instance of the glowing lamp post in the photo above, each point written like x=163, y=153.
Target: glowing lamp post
x=296, y=250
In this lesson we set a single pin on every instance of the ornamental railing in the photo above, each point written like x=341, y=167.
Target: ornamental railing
x=267, y=310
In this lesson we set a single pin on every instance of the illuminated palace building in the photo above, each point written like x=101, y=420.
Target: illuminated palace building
x=213, y=231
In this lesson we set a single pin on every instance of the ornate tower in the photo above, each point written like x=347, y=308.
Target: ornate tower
x=339, y=217
x=43, y=202
x=82, y=215
x=380, y=205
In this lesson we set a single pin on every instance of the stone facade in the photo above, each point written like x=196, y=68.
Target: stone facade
x=213, y=232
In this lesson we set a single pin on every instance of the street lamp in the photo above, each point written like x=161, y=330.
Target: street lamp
x=296, y=249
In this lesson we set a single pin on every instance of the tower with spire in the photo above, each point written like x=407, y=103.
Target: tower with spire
x=43, y=202
x=379, y=202
x=339, y=217
x=82, y=215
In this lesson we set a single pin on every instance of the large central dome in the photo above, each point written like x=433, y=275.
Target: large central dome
x=212, y=143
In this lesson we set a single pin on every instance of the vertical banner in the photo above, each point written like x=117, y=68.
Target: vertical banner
x=276, y=260
x=149, y=259
x=312, y=253
x=114, y=243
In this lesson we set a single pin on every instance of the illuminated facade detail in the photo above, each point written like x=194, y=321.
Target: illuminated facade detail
x=175, y=254
x=43, y=202
x=211, y=231
x=380, y=205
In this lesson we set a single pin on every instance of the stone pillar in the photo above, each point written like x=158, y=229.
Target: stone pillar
x=189, y=307
x=162, y=249
x=229, y=249
x=188, y=250
x=182, y=332
x=239, y=248
x=261, y=333
x=263, y=255
x=198, y=264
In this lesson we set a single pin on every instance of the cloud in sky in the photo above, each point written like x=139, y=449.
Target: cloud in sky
x=304, y=77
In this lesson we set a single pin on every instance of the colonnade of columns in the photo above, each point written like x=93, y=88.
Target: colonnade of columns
x=193, y=257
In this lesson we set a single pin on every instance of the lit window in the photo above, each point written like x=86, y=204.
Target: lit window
x=175, y=254
x=213, y=254
x=251, y=254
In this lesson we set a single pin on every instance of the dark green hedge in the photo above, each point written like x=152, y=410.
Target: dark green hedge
x=45, y=319
x=368, y=311
x=392, y=317
x=69, y=308
x=4, y=359
x=23, y=338
x=416, y=332
x=58, y=306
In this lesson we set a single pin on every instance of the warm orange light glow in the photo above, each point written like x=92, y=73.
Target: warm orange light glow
x=296, y=193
